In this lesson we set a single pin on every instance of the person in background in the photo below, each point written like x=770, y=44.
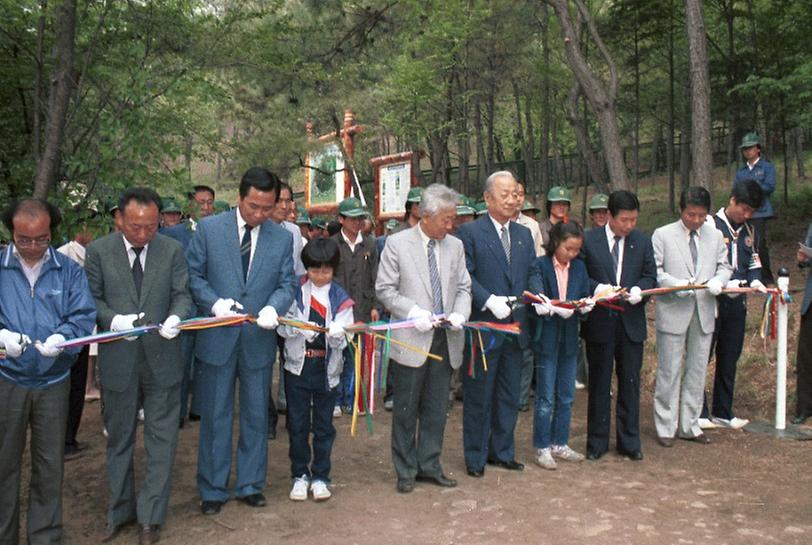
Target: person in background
x=688, y=251
x=170, y=213
x=369, y=227
x=422, y=275
x=313, y=363
x=520, y=218
x=356, y=273
x=305, y=225
x=221, y=206
x=599, y=210
x=318, y=228
x=559, y=201
x=759, y=169
x=498, y=255
x=728, y=336
x=465, y=214
x=530, y=210
x=35, y=372
x=412, y=206
x=559, y=274
x=803, y=407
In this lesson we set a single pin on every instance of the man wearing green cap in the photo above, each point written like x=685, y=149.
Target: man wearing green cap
x=599, y=209
x=759, y=169
x=170, y=213
x=412, y=215
x=559, y=200
x=304, y=223
x=356, y=273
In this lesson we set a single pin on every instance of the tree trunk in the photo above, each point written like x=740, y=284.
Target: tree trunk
x=61, y=87
x=672, y=118
x=482, y=167
x=636, y=143
x=685, y=146
x=601, y=95
x=701, y=151
x=593, y=166
x=36, y=120
x=545, y=104
x=798, y=144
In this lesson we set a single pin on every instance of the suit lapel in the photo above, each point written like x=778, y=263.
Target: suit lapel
x=155, y=255
x=261, y=250
x=231, y=243
x=606, y=256
x=445, y=273
x=421, y=261
x=629, y=253
x=495, y=244
x=516, y=249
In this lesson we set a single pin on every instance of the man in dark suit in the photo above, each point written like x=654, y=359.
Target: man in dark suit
x=803, y=409
x=239, y=261
x=498, y=254
x=617, y=254
x=139, y=275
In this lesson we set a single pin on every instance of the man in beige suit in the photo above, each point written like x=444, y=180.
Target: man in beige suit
x=422, y=275
x=688, y=251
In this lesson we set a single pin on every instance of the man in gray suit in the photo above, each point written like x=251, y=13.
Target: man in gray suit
x=688, y=251
x=139, y=276
x=422, y=275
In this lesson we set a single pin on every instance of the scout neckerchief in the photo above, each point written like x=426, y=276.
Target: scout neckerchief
x=734, y=238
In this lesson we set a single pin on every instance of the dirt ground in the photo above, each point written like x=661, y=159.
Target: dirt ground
x=741, y=489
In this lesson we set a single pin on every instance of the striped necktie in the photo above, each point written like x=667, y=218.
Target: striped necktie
x=434, y=274
x=506, y=242
x=245, y=251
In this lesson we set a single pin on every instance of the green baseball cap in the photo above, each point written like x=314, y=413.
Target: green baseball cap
x=221, y=206
x=530, y=206
x=481, y=208
x=170, y=205
x=465, y=210
x=415, y=194
x=559, y=193
x=750, y=139
x=352, y=208
x=599, y=201
x=303, y=218
x=391, y=224
x=318, y=223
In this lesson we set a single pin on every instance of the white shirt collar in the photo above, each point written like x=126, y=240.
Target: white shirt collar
x=129, y=246
x=610, y=235
x=358, y=238
x=498, y=226
x=751, y=167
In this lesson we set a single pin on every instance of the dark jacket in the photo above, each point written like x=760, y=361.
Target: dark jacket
x=356, y=273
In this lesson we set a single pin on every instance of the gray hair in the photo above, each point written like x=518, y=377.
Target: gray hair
x=498, y=174
x=436, y=198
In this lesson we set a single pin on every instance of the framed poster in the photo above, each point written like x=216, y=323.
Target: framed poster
x=394, y=176
x=324, y=178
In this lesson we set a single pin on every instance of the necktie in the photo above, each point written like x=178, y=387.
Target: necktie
x=434, y=274
x=616, y=254
x=138, y=271
x=245, y=251
x=506, y=242
x=692, y=247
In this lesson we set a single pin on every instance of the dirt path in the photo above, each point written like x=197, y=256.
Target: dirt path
x=741, y=489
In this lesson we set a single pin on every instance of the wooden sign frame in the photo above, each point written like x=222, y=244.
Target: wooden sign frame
x=394, y=176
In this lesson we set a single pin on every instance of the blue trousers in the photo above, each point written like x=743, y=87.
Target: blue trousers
x=304, y=419
x=555, y=390
x=491, y=405
x=216, y=419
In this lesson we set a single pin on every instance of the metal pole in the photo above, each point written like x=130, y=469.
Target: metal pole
x=781, y=356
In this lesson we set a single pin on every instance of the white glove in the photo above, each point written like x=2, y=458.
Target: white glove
x=169, y=329
x=336, y=330
x=685, y=293
x=714, y=286
x=563, y=312
x=456, y=320
x=634, y=296
x=223, y=308
x=422, y=317
x=498, y=305
x=601, y=289
x=13, y=342
x=123, y=322
x=49, y=348
x=759, y=286
x=587, y=307
x=733, y=284
x=544, y=308
x=309, y=334
x=267, y=318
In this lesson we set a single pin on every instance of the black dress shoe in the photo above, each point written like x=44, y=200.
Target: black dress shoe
x=593, y=455
x=194, y=417
x=666, y=442
x=405, y=486
x=512, y=465
x=439, y=480
x=112, y=530
x=475, y=472
x=635, y=455
x=800, y=419
x=254, y=500
x=210, y=507
x=150, y=533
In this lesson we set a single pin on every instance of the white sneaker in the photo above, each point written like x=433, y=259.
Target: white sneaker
x=140, y=415
x=336, y=411
x=544, y=458
x=320, y=491
x=707, y=424
x=579, y=385
x=734, y=423
x=299, y=490
x=567, y=454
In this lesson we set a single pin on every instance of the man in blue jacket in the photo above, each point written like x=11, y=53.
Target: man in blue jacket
x=759, y=169
x=44, y=301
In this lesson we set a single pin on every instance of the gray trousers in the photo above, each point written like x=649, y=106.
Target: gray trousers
x=420, y=394
x=161, y=417
x=680, y=390
x=45, y=412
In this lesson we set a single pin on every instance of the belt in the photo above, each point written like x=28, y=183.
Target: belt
x=315, y=353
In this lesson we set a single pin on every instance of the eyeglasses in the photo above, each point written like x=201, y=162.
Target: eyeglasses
x=39, y=241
